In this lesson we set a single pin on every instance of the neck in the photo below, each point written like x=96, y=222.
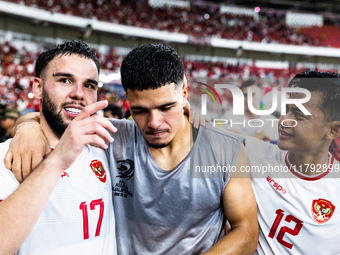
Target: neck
x=51, y=137
x=170, y=156
x=182, y=138
x=309, y=164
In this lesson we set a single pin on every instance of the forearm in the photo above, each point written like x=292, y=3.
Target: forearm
x=20, y=211
x=28, y=117
x=239, y=240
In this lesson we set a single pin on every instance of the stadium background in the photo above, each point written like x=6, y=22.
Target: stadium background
x=219, y=41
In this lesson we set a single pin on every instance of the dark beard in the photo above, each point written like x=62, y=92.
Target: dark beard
x=158, y=146
x=54, y=120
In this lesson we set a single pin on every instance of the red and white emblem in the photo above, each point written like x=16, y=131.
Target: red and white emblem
x=64, y=174
x=98, y=169
x=322, y=210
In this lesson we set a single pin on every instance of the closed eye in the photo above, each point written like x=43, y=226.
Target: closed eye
x=138, y=111
x=298, y=114
x=163, y=109
x=166, y=107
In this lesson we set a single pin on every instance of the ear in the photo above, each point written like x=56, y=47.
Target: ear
x=185, y=90
x=334, y=131
x=37, y=87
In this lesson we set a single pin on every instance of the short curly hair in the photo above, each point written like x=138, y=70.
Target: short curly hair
x=151, y=66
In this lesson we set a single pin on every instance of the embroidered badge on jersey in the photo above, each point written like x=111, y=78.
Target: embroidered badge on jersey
x=98, y=169
x=322, y=210
x=64, y=174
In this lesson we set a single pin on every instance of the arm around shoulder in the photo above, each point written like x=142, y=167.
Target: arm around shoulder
x=32, y=117
x=28, y=147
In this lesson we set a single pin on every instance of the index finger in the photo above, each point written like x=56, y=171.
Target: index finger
x=91, y=109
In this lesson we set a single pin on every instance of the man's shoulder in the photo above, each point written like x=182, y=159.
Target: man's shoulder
x=122, y=122
x=6, y=143
x=228, y=114
x=218, y=141
x=124, y=126
x=258, y=150
x=90, y=149
x=8, y=183
x=4, y=148
x=215, y=130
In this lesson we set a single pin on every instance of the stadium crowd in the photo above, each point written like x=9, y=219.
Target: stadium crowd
x=17, y=74
x=201, y=21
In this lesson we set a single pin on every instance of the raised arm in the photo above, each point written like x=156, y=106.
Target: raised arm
x=240, y=209
x=20, y=211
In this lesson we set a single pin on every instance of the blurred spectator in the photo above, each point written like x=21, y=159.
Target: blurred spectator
x=7, y=120
x=113, y=111
x=2, y=109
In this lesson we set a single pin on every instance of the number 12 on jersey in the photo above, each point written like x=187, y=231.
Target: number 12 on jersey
x=284, y=229
x=93, y=204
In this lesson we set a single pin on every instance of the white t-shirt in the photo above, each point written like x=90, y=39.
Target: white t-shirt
x=78, y=217
x=265, y=123
x=297, y=214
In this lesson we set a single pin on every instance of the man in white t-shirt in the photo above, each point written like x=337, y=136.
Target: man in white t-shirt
x=65, y=206
x=296, y=183
x=259, y=126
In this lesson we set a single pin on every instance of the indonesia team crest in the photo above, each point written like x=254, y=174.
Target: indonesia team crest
x=98, y=169
x=322, y=210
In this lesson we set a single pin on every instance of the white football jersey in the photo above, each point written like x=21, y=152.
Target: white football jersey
x=297, y=214
x=78, y=217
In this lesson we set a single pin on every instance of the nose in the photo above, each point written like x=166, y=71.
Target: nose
x=155, y=119
x=77, y=91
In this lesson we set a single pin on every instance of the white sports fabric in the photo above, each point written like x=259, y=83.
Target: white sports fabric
x=297, y=214
x=78, y=217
